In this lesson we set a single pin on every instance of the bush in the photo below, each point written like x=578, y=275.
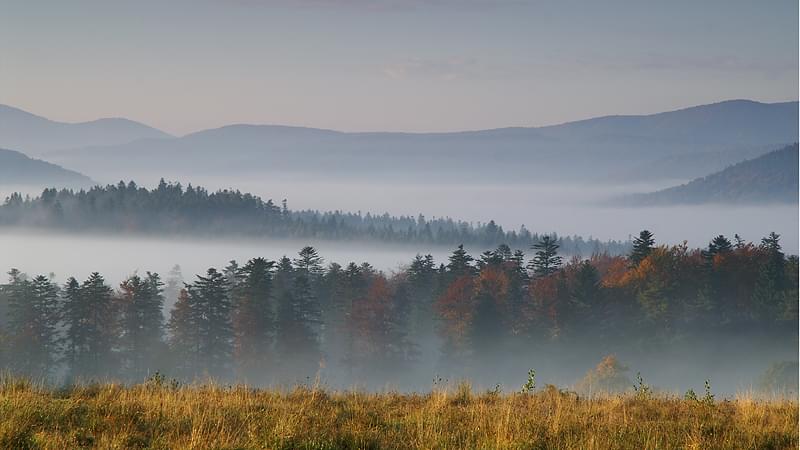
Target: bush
x=607, y=377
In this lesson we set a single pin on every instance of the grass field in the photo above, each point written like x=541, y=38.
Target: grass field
x=161, y=415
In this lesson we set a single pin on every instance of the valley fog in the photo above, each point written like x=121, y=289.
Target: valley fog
x=116, y=258
x=566, y=209
x=671, y=365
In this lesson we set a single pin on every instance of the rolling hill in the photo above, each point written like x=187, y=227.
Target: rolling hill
x=771, y=178
x=16, y=169
x=36, y=135
x=681, y=144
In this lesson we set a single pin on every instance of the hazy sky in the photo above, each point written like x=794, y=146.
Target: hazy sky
x=389, y=64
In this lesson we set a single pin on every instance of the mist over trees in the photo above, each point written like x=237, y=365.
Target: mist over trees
x=172, y=209
x=294, y=319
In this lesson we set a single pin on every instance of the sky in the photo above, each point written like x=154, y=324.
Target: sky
x=391, y=65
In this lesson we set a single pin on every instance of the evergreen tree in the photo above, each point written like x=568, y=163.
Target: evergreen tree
x=460, y=263
x=253, y=319
x=184, y=334
x=585, y=294
x=546, y=260
x=141, y=303
x=73, y=314
x=91, y=327
x=309, y=262
x=720, y=245
x=768, y=295
x=210, y=294
x=642, y=246
x=296, y=341
x=33, y=321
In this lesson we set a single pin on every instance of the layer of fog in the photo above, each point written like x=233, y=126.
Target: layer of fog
x=567, y=209
x=116, y=258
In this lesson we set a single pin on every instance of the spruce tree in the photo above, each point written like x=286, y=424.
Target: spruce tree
x=642, y=246
x=460, y=263
x=545, y=260
x=720, y=245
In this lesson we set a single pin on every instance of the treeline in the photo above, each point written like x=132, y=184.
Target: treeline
x=285, y=320
x=171, y=208
x=269, y=321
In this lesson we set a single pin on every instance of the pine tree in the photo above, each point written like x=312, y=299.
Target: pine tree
x=546, y=260
x=642, y=246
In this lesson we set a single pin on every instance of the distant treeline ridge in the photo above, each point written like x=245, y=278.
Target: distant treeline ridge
x=171, y=208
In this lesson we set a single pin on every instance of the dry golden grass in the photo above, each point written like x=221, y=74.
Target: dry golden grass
x=216, y=417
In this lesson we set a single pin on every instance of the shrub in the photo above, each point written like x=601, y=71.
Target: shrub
x=607, y=377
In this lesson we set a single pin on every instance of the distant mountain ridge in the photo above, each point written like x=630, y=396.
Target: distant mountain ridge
x=35, y=135
x=771, y=178
x=16, y=169
x=694, y=141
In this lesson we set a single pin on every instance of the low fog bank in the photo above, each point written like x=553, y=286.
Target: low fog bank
x=566, y=209
x=665, y=316
x=117, y=257
x=571, y=209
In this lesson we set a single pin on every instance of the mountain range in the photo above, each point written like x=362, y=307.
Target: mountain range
x=681, y=144
x=675, y=145
x=35, y=135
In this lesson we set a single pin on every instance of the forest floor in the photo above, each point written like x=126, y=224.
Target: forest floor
x=164, y=415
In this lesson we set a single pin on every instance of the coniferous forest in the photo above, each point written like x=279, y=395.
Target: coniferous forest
x=173, y=209
x=299, y=318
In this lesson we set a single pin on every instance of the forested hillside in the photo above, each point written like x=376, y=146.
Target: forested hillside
x=771, y=178
x=172, y=209
x=17, y=169
x=267, y=321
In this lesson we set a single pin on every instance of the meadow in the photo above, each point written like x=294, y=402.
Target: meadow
x=168, y=415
